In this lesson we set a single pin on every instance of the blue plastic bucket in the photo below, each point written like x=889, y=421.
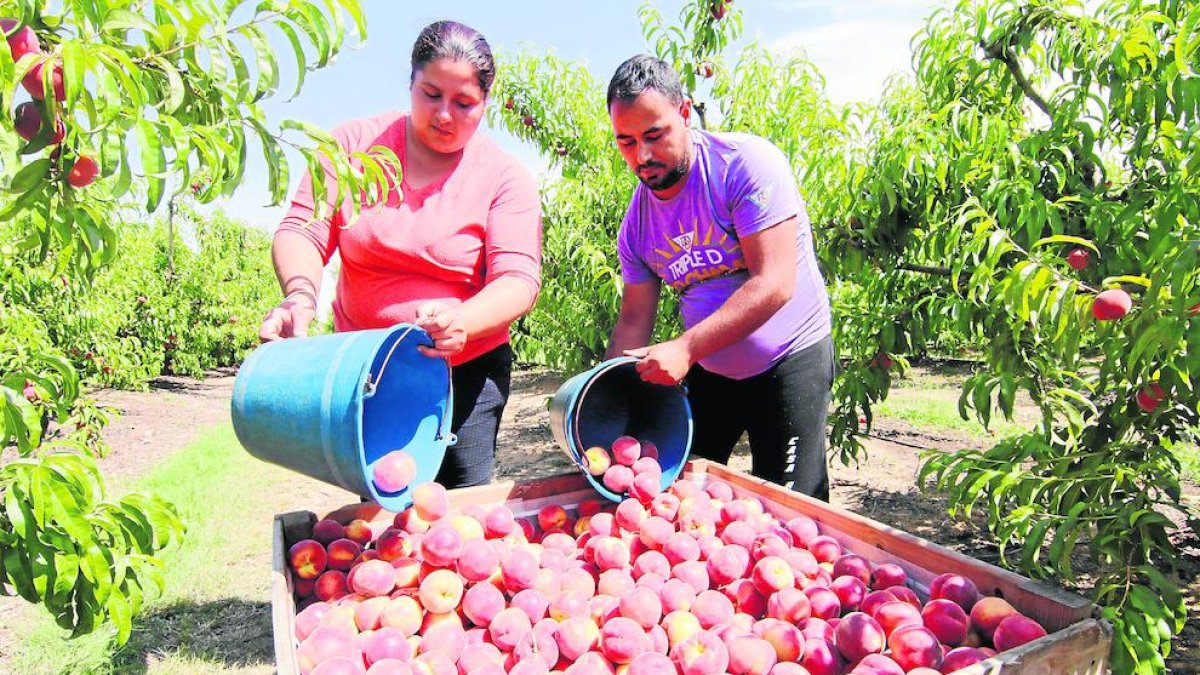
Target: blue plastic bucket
x=611, y=400
x=330, y=406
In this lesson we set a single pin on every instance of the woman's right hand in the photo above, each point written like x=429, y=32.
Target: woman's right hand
x=290, y=318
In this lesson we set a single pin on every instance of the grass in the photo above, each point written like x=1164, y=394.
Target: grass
x=214, y=615
x=934, y=413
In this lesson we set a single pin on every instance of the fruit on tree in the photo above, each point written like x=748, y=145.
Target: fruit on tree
x=83, y=171
x=1111, y=304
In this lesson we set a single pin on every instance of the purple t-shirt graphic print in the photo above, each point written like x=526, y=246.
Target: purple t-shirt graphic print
x=739, y=185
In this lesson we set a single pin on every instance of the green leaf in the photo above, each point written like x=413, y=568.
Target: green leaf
x=154, y=162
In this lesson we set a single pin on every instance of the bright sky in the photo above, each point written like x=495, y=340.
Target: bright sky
x=857, y=44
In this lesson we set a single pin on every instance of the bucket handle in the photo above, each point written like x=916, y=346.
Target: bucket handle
x=372, y=384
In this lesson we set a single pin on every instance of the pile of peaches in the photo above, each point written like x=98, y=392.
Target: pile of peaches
x=688, y=581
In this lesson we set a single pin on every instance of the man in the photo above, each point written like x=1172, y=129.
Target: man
x=718, y=217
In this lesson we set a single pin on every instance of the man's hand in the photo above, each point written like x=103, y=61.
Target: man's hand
x=290, y=318
x=445, y=325
x=664, y=363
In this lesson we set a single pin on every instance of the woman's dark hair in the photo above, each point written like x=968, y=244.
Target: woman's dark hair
x=643, y=72
x=458, y=42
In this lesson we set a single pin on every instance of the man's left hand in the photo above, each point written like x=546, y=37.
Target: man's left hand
x=665, y=363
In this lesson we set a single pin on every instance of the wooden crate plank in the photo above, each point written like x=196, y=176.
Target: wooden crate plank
x=1081, y=649
x=283, y=606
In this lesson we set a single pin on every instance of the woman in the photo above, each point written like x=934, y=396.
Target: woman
x=458, y=254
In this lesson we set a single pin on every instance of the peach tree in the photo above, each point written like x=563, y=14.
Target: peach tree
x=116, y=102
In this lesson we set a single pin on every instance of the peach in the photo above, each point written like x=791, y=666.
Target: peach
x=430, y=501
x=858, y=635
x=683, y=488
x=651, y=562
x=784, y=638
x=431, y=619
x=394, y=471
x=770, y=574
x=307, y=558
x=650, y=663
x=468, y=527
x=825, y=548
x=368, y=614
x=746, y=597
x=373, y=577
x=850, y=592
x=643, y=606
x=988, y=613
x=712, y=608
x=446, y=637
x=750, y=655
x=621, y=639
x=409, y=521
x=602, y=525
x=576, y=636
x=591, y=663
x=956, y=588
x=611, y=553
x=552, y=516
x=389, y=667
x=479, y=654
x=537, y=645
x=433, y=663
x=821, y=657
x=304, y=588
x=647, y=465
x=645, y=486
x=331, y=585
x=615, y=582
x=580, y=577
x=407, y=572
x=659, y=642
x=481, y=603
x=404, y=614
x=532, y=602
x=727, y=564
x=477, y=561
x=785, y=668
x=649, y=450
x=548, y=582
x=681, y=547
x=854, y=566
x=327, y=530
x=618, y=478
x=738, y=533
x=906, y=594
x=441, y=546
x=875, y=599
x=892, y=615
x=680, y=625
x=528, y=667
x=789, y=604
x=519, y=570
x=947, y=620
x=508, y=628
x=803, y=530
x=677, y=594
x=359, y=530
x=393, y=543
x=323, y=644
x=665, y=505
x=915, y=646
x=441, y=591
x=596, y=460
x=569, y=603
x=626, y=450
x=309, y=618
x=1016, y=630
x=339, y=665
x=560, y=542
x=768, y=544
x=887, y=575
x=877, y=664
x=498, y=522
x=342, y=554
x=818, y=628
x=961, y=657
x=694, y=573
x=701, y=654
x=630, y=515
x=528, y=529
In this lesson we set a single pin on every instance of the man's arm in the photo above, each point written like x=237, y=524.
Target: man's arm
x=770, y=256
x=635, y=323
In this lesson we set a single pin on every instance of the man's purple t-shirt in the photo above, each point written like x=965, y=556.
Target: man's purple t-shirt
x=739, y=184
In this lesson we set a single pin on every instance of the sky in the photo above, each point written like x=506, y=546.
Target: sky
x=857, y=44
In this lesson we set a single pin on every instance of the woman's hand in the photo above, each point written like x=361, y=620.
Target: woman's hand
x=290, y=318
x=445, y=325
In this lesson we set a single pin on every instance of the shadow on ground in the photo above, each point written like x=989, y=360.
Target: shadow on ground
x=230, y=633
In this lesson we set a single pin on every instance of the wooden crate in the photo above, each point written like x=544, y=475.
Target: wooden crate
x=1078, y=643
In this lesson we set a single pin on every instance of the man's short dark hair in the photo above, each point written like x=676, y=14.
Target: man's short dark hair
x=644, y=72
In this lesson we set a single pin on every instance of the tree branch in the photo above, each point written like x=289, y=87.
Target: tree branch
x=997, y=51
x=924, y=269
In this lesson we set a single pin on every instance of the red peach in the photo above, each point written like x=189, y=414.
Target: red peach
x=538, y=645
x=825, y=548
x=343, y=553
x=854, y=566
x=409, y=521
x=1016, y=630
x=615, y=582
x=693, y=573
x=532, y=602
x=681, y=547
x=359, y=531
x=649, y=450
x=610, y=553
x=785, y=668
x=651, y=562
x=962, y=657
x=651, y=663
x=850, y=592
x=906, y=594
x=630, y=515
x=1111, y=304
x=643, y=606
x=602, y=525
x=576, y=636
x=519, y=569
x=746, y=597
x=738, y=533
x=307, y=558
x=647, y=465
x=680, y=625
x=893, y=615
x=552, y=516
x=618, y=478
x=877, y=664
x=665, y=505
x=339, y=665
x=441, y=546
x=499, y=522
x=803, y=530
x=818, y=628
x=387, y=643
x=626, y=450
x=559, y=542
x=433, y=663
x=478, y=561
x=874, y=600
x=770, y=574
x=480, y=654
x=858, y=635
x=645, y=486
x=750, y=655
x=821, y=657
x=407, y=572
x=956, y=588
x=784, y=638
x=988, y=613
x=915, y=646
x=508, y=628
x=887, y=575
x=790, y=605
x=393, y=544
x=677, y=595
x=304, y=587
x=580, y=578
x=712, y=608
x=947, y=620
x=621, y=639
x=768, y=544
x=372, y=578
x=728, y=563
x=327, y=530
x=567, y=604
x=481, y=603
x=447, y=637
x=404, y=614
x=331, y=585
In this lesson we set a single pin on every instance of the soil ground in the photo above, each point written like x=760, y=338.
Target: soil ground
x=152, y=425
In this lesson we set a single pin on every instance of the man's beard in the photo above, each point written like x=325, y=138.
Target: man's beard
x=668, y=179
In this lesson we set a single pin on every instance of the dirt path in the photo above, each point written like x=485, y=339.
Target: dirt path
x=152, y=425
